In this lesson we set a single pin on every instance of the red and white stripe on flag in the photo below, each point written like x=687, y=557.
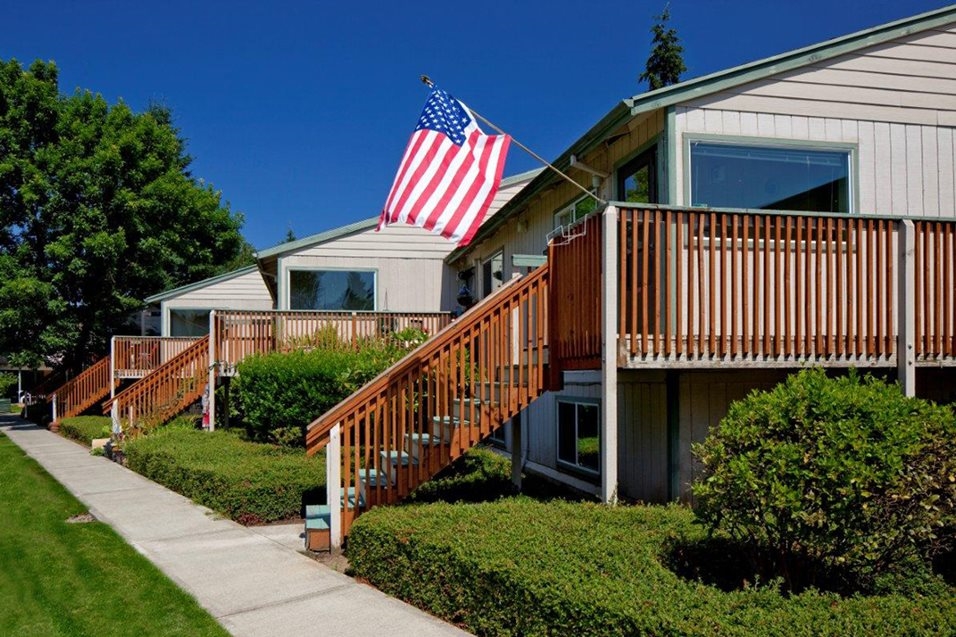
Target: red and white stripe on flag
x=445, y=187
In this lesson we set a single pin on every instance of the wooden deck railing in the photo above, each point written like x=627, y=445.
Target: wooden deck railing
x=935, y=256
x=242, y=333
x=427, y=409
x=575, y=262
x=750, y=286
x=168, y=390
x=137, y=356
x=84, y=390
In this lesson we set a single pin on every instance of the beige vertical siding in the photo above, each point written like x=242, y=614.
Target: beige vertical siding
x=642, y=438
x=704, y=400
x=895, y=103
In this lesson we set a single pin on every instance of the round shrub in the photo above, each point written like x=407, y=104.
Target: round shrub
x=824, y=481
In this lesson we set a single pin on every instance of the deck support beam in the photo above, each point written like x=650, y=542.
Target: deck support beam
x=609, y=292
x=906, y=308
x=112, y=367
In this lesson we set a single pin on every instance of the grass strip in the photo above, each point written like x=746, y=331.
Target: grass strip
x=58, y=578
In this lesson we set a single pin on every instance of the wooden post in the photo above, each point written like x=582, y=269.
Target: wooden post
x=212, y=371
x=609, y=292
x=516, y=450
x=333, y=482
x=906, y=308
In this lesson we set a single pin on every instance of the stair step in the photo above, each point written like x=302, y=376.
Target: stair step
x=317, y=527
x=393, y=458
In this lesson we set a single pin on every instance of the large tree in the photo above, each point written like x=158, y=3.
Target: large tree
x=666, y=61
x=98, y=210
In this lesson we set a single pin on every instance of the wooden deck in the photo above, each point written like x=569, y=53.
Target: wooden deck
x=710, y=288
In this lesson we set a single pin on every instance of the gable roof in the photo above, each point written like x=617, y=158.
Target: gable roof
x=168, y=294
x=695, y=88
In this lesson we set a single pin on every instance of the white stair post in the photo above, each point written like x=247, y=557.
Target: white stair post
x=609, y=292
x=112, y=380
x=333, y=480
x=906, y=308
x=54, y=407
x=115, y=425
x=212, y=371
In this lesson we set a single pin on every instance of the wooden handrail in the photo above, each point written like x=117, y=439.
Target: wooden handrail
x=139, y=355
x=439, y=400
x=168, y=390
x=240, y=333
x=84, y=390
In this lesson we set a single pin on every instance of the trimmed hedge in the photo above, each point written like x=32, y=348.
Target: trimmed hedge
x=479, y=475
x=279, y=394
x=521, y=567
x=249, y=482
x=85, y=428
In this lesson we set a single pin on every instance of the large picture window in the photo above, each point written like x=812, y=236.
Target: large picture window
x=188, y=322
x=332, y=290
x=769, y=178
x=579, y=440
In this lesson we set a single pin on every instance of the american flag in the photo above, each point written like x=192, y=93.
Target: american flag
x=449, y=174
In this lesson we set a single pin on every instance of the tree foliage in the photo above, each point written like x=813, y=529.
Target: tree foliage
x=99, y=210
x=832, y=479
x=666, y=61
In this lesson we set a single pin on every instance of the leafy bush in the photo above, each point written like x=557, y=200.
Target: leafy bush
x=842, y=478
x=478, y=476
x=280, y=394
x=520, y=567
x=85, y=428
x=7, y=382
x=249, y=482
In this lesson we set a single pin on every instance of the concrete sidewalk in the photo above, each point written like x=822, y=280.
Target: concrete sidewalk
x=252, y=584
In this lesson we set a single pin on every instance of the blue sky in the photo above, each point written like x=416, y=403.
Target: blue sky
x=299, y=111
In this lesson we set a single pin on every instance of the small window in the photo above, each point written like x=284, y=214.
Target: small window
x=769, y=178
x=637, y=179
x=577, y=210
x=492, y=273
x=352, y=290
x=188, y=322
x=579, y=440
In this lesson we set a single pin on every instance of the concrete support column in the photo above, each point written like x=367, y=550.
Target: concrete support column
x=333, y=482
x=211, y=382
x=906, y=308
x=516, y=460
x=609, y=294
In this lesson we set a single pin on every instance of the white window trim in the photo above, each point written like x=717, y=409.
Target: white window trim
x=562, y=464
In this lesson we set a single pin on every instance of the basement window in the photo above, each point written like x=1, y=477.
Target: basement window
x=724, y=175
x=579, y=437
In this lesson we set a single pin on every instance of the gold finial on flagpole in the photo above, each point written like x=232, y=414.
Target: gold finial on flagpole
x=427, y=81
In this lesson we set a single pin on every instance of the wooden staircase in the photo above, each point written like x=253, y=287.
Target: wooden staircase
x=167, y=391
x=82, y=391
x=433, y=405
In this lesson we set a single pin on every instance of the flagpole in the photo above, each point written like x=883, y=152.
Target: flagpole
x=428, y=82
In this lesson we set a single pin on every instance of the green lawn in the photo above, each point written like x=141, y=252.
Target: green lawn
x=77, y=579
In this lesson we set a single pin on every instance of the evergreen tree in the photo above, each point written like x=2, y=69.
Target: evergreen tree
x=666, y=62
